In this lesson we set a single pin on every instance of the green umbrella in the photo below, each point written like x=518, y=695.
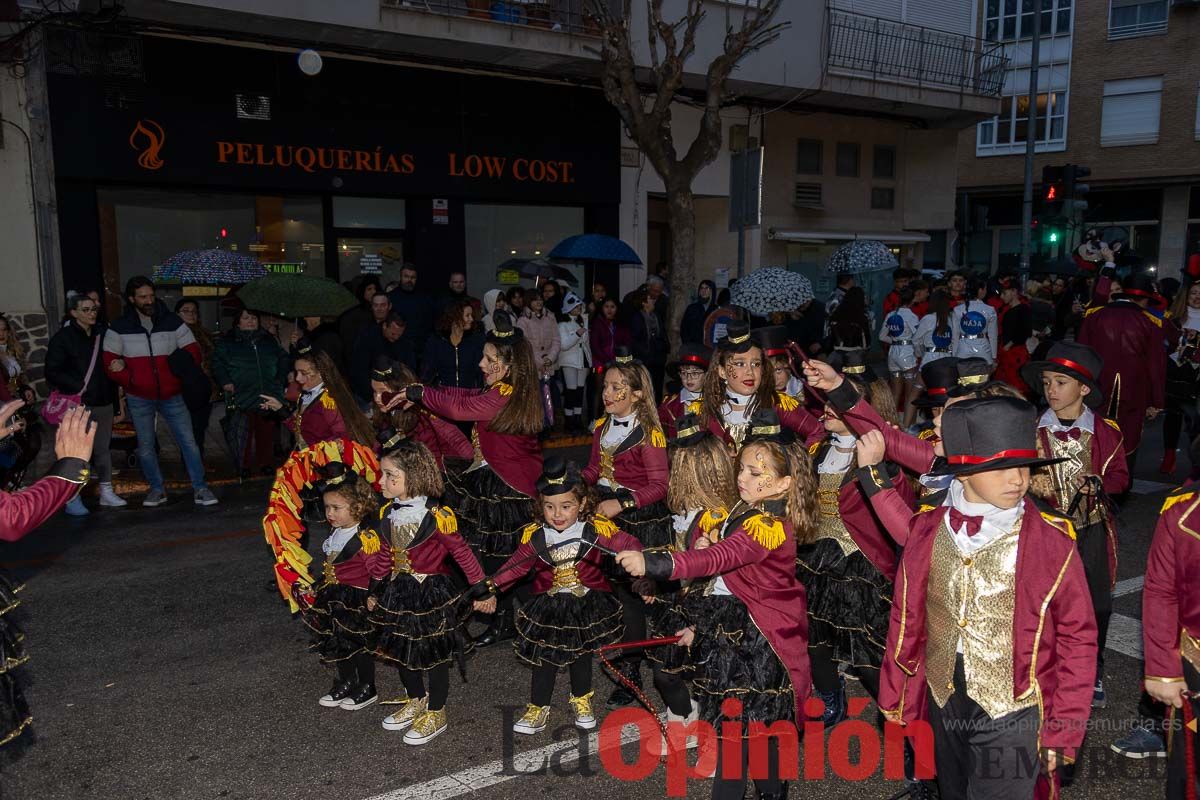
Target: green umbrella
x=296, y=296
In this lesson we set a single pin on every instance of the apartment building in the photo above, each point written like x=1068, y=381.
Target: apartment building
x=1118, y=85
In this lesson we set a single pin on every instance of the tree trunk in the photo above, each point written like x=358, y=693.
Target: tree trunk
x=681, y=219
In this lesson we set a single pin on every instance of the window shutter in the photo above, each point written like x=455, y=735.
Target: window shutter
x=1131, y=112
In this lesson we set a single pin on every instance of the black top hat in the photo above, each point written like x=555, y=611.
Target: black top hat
x=939, y=377
x=853, y=362
x=989, y=433
x=558, y=477
x=622, y=355
x=772, y=340
x=691, y=355
x=689, y=431
x=972, y=373
x=304, y=346
x=765, y=427
x=504, y=330
x=388, y=438
x=382, y=369
x=1140, y=286
x=1070, y=358
x=332, y=475
x=737, y=338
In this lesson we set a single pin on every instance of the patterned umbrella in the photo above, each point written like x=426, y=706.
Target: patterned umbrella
x=862, y=255
x=771, y=289
x=209, y=268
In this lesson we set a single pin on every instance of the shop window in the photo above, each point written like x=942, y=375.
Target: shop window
x=500, y=237
x=847, y=159
x=808, y=156
x=368, y=212
x=1130, y=112
x=884, y=162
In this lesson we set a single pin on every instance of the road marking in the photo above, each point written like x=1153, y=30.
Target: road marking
x=1125, y=636
x=1140, y=486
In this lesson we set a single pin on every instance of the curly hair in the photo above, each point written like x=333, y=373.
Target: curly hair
x=638, y=378
x=356, y=492
x=421, y=474
x=357, y=424
x=792, y=460
x=452, y=314
x=701, y=477
x=581, y=491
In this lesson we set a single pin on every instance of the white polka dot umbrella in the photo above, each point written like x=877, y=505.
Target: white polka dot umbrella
x=862, y=255
x=771, y=289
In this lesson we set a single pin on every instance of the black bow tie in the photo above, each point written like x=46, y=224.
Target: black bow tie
x=403, y=504
x=619, y=424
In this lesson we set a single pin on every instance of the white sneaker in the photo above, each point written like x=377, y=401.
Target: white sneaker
x=109, y=498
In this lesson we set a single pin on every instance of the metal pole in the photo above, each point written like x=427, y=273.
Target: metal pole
x=1030, y=146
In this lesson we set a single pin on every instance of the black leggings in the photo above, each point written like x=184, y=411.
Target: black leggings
x=674, y=692
x=545, y=675
x=825, y=672
x=439, y=684
x=633, y=614
x=359, y=669
x=735, y=788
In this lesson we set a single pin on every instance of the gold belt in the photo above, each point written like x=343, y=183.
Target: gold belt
x=827, y=502
x=329, y=574
x=568, y=578
x=401, y=565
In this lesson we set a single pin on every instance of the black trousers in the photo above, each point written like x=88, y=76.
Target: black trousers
x=825, y=672
x=545, y=675
x=1092, y=543
x=734, y=788
x=633, y=614
x=674, y=691
x=1177, y=776
x=980, y=758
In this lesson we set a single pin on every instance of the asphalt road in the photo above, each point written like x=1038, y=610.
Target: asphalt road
x=162, y=668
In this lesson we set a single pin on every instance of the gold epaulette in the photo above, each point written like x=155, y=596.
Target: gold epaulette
x=786, y=401
x=695, y=407
x=1112, y=423
x=600, y=422
x=604, y=526
x=766, y=530
x=657, y=439
x=1088, y=312
x=926, y=434
x=713, y=518
x=505, y=389
x=671, y=398
x=370, y=541
x=1180, y=495
x=446, y=521
x=813, y=448
x=924, y=509
x=327, y=402
x=528, y=531
x=1157, y=321
x=1060, y=524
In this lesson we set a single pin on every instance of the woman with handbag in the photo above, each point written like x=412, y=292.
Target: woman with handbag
x=76, y=376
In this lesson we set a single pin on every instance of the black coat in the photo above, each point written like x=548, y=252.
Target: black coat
x=444, y=365
x=369, y=345
x=650, y=350
x=417, y=309
x=67, y=358
x=691, y=330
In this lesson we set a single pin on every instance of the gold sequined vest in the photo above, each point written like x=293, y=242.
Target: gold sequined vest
x=829, y=521
x=401, y=537
x=1189, y=648
x=972, y=599
x=1078, y=455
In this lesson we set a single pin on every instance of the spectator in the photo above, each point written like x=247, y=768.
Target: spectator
x=806, y=327
x=551, y=296
x=656, y=288
x=900, y=278
x=414, y=306
x=137, y=349
x=351, y=322
x=199, y=391
x=250, y=366
x=575, y=360
x=596, y=303
x=541, y=331
x=12, y=360
x=516, y=302
x=493, y=300
x=849, y=323
x=322, y=335
x=456, y=289
x=453, y=353
x=648, y=340
x=692, y=329
x=384, y=339
x=74, y=366
x=845, y=282
x=607, y=334
x=1183, y=376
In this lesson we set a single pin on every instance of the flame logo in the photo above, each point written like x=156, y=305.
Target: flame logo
x=153, y=134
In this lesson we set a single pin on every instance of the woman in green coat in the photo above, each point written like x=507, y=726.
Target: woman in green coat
x=248, y=364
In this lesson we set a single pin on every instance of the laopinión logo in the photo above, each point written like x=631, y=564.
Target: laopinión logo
x=855, y=750
x=147, y=138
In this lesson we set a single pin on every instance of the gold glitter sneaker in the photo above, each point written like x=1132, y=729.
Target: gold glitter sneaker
x=405, y=716
x=535, y=720
x=582, y=706
x=427, y=725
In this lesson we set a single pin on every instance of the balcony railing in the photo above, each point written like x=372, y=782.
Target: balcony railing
x=563, y=16
x=886, y=50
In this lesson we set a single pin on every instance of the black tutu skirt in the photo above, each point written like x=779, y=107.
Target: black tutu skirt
x=849, y=603
x=14, y=710
x=665, y=617
x=418, y=623
x=732, y=659
x=339, y=622
x=650, y=525
x=558, y=628
x=490, y=513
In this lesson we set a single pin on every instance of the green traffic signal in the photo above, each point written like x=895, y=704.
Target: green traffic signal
x=1053, y=237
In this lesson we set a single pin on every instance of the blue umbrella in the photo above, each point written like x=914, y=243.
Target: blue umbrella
x=595, y=247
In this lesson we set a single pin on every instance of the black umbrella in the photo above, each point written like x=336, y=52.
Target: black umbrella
x=541, y=269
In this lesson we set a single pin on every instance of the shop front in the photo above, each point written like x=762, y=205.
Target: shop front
x=354, y=171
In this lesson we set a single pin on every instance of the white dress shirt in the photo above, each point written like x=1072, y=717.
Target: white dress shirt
x=408, y=511
x=337, y=540
x=1086, y=421
x=835, y=461
x=308, y=395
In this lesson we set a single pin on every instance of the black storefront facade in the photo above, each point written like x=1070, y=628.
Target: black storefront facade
x=358, y=169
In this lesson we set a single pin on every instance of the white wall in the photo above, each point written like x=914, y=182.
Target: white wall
x=19, y=267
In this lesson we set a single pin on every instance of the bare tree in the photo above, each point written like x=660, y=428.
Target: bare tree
x=643, y=97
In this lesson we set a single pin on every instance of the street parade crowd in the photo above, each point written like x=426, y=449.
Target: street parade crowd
x=762, y=514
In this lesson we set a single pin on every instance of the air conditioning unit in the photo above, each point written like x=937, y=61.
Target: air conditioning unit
x=253, y=106
x=807, y=195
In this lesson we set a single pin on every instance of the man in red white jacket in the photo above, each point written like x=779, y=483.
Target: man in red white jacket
x=144, y=350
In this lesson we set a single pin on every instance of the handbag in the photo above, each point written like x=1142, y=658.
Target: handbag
x=59, y=403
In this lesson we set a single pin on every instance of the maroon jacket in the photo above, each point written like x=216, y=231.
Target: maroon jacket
x=516, y=459
x=1133, y=346
x=443, y=438
x=21, y=512
x=605, y=337
x=760, y=569
x=792, y=415
x=365, y=558
x=670, y=410
x=320, y=421
x=1171, y=596
x=913, y=453
x=531, y=554
x=639, y=464
x=1054, y=628
x=435, y=544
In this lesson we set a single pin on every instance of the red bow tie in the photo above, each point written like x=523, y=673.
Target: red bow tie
x=958, y=519
x=1063, y=436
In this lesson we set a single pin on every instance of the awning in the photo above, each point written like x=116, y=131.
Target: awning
x=893, y=237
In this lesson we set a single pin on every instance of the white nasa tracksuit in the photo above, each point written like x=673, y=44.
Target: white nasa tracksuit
x=974, y=330
x=899, y=330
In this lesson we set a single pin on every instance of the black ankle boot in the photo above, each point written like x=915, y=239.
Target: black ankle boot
x=835, y=703
x=623, y=696
x=498, y=630
x=780, y=795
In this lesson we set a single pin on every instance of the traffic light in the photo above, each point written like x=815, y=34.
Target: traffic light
x=1073, y=189
x=1053, y=190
